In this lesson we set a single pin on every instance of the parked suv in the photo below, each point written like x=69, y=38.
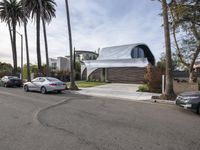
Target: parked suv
x=10, y=81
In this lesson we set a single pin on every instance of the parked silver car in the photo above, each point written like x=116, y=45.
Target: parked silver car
x=44, y=85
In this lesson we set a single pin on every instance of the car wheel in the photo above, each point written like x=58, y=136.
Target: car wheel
x=43, y=90
x=5, y=85
x=198, y=109
x=26, y=89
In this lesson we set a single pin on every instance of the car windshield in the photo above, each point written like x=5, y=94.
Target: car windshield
x=12, y=77
x=52, y=79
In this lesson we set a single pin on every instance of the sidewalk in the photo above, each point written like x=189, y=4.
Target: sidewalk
x=118, y=90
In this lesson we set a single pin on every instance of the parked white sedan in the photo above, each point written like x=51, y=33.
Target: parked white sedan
x=44, y=85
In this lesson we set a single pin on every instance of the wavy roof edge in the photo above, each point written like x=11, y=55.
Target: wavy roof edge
x=135, y=44
x=123, y=51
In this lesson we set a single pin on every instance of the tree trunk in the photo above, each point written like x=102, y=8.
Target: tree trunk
x=45, y=37
x=26, y=41
x=46, y=48
x=14, y=48
x=27, y=53
x=73, y=85
x=38, y=43
x=11, y=40
x=191, y=76
x=169, y=92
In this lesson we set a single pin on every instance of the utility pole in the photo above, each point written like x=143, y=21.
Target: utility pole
x=74, y=58
x=22, y=66
x=21, y=36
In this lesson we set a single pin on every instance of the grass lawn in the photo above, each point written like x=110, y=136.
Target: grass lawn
x=86, y=84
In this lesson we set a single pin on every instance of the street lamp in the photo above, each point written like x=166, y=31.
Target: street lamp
x=21, y=35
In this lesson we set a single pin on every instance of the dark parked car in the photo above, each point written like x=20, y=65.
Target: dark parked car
x=10, y=81
x=189, y=100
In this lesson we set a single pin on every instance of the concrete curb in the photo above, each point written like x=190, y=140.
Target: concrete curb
x=163, y=101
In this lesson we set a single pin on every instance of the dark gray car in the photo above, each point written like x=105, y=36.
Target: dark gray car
x=189, y=100
x=10, y=81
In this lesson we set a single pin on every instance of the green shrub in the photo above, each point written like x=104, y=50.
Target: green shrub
x=143, y=88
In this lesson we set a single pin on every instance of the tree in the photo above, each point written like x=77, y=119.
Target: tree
x=169, y=92
x=185, y=21
x=5, y=69
x=176, y=64
x=73, y=85
x=11, y=12
x=48, y=7
x=25, y=20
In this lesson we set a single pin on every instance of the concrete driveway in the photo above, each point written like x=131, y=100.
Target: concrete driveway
x=118, y=90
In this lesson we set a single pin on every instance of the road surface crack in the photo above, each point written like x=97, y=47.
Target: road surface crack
x=45, y=124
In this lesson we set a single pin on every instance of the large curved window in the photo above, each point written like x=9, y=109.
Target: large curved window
x=137, y=52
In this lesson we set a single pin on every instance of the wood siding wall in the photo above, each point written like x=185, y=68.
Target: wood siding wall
x=119, y=75
x=126, y=75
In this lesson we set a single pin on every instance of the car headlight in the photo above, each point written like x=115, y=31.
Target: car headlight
x=191, y=97
x=188, y=98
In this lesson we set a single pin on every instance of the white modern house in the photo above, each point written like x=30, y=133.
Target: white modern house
x=63, y=63
x=82, y=55
x=125, y=63
x=59, y=64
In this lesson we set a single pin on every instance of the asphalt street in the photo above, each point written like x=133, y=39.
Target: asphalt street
x=32, y=121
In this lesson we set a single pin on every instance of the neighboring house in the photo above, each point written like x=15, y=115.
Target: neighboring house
x=82, y=55
x=63, y=63
x=126, y=63
x=59, y=64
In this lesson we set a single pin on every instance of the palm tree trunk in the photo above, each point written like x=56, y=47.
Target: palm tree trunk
x=38, y=43
x=27, y=52
x=14, y=48
x=46, y=47
x=73, y=85
x=169, y=92
x=45, y=37
x=11, y=37
x=26, y=41
x=11, y=40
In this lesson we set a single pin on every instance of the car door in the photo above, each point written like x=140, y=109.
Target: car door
x=38, y=84
x=32, y=85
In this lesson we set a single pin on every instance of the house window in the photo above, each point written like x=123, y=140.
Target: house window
x=140, y=53
x=137, y=53
x=54, y=66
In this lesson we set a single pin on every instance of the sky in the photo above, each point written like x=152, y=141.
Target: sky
x=95, y=24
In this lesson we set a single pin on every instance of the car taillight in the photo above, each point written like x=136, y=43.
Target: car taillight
x=53, y=84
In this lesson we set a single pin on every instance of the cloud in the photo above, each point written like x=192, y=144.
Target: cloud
x=95, y=24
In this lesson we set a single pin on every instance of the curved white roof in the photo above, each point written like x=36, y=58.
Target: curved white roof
x=117, y=52
x=119, y=56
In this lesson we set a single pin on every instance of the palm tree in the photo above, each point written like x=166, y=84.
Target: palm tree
x=11, y=12
x=72, y=84
x=45, y=38
x=26, y=15
x=48, y=7
x=169, y=92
